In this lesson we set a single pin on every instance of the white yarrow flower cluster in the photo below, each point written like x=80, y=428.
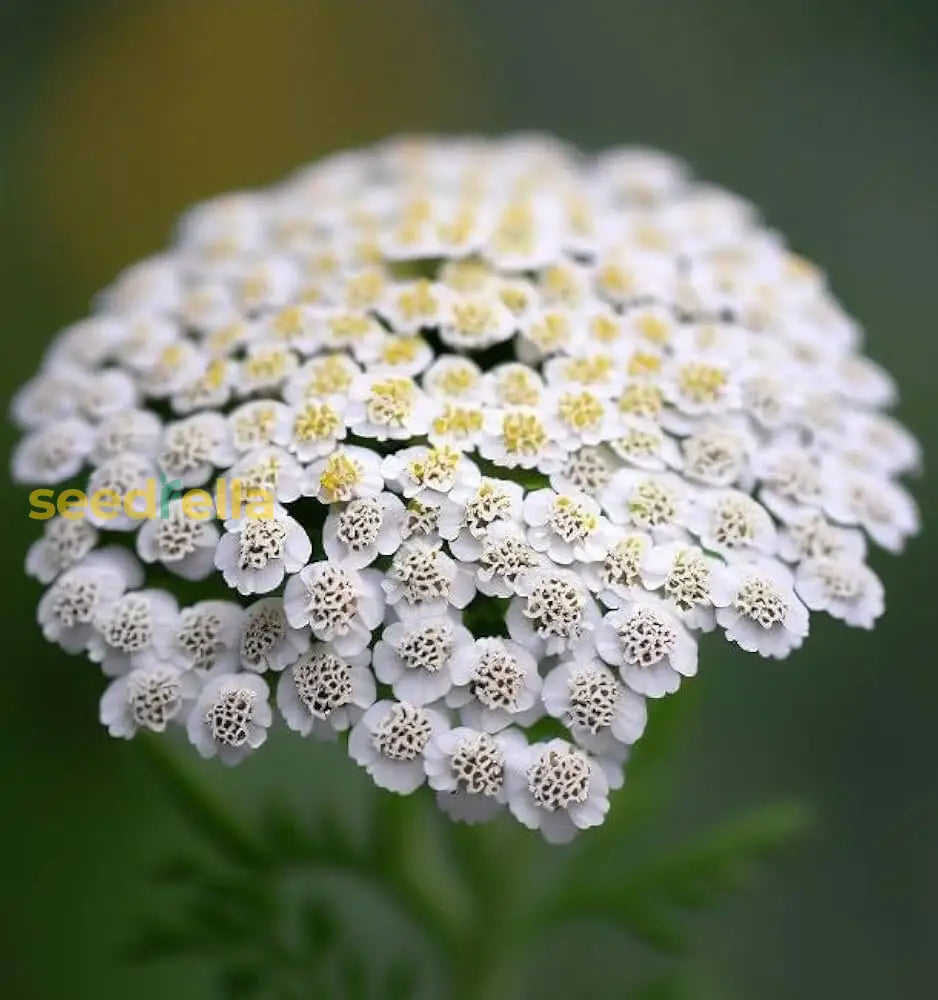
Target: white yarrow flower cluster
x=530, y=423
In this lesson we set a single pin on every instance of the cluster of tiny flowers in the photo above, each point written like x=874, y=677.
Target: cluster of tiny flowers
x=532, y=422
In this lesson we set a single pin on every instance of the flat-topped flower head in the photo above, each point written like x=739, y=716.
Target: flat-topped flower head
x=490, y=427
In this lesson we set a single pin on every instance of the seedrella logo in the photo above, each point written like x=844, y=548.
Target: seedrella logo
x=156, y=498
x=170, y=489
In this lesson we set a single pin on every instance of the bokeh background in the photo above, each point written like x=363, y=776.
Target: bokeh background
x=116, y=115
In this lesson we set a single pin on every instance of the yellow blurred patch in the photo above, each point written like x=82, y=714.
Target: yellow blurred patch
x=151, y=105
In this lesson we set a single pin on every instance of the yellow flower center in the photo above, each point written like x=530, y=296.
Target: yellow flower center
x=580, y=411
x=340, y=474
x=524, y=434
x=460, y=422
x=316, y=422
x=701, y=383
x=391, y=401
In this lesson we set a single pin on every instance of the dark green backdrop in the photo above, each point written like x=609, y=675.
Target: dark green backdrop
x=114, y=115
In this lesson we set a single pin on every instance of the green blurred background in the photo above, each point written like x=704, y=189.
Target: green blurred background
x=116, y=115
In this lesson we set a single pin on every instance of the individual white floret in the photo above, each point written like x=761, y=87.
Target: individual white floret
x=65, y=542
x=192, y=448
x=731, y=523
x=259, y=423
x=422, y=579
x=268, y=641
x=812, y=536
x=601, y=713
x=643, y=444
x=145, y=340
x=466, y=523
x=681, y=572
x=389, y=742
x=586, y=470
x=649, y=645
x=554, y=612
x=843, y=587
x=326, y=375
x=556, y=788
x=176, y=366
x=128, y=489
x=54, y=452
x=255, y=553
x=323, y=693
x=387, y=408
x=185, y=545
x=503, y=556
x=348, y=473
x=757, y=607
x=208, y=636
x=149, y=697
x=267, y=474
x=86, y=344
x=884, y=510
x=569, y=528
x=138, y=431
x=615, y=577
x=356, y=533
x=135, y=630
x=48, y=397
x=657, y=502
x=314, y=428
x=340, y=605
x=518, y=437
x=466, y=768
x=230, y=717
x=431, y=475
x=416, y=656
x=719, y=453
x=496, y=684
x=68, y=609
